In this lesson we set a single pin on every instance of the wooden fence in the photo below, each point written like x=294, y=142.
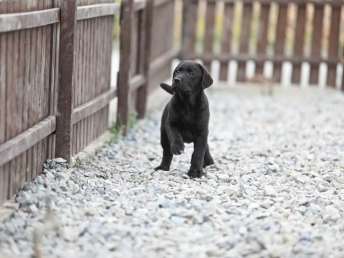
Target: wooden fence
x=277, y=31
x=55, y=70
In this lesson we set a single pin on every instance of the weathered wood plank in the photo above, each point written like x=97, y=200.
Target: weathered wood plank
x=316, y=42
x=263, y=29
x=27, y=20
x=136, y=82
x=190, y=18
x=98, y=10
x=92, y=106
x=227, y=36
x=245, y=35
x=299, y=42
x=27, y=139
x=11, y=112
x=209, y=32
x=333, y=50
x=4, y=184
x=279, y=47
x=161, y=2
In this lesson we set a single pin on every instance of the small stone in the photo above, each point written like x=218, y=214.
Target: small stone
x=60, y=160
x=331, y=214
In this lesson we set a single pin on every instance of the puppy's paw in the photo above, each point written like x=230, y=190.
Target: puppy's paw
x=195, y=173
x=162, y=167
x=208, y=162
x=177, y=148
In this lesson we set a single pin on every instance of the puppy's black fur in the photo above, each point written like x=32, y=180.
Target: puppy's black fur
x=186, y=117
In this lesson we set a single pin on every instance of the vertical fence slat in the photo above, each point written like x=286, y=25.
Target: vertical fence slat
x=333, y=50
x=124, y=75
x=245, y=35
x=299, y=42
x=23, y=117
x=342, y=85
x=26, y=101
x=227, y=35
x=3, y=47
x=262, y=42
x=209, y=32
x=281, y=31
x=64, y=127
x=190, y=19
x=316, y=42
x=42, y=95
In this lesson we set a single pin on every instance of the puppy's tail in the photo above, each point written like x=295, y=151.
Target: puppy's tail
x=167, y=88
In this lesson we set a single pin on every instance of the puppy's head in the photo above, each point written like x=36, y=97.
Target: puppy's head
x=190, y=78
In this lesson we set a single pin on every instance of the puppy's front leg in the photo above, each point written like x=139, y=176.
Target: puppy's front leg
x=176, y=139
x=197, y=160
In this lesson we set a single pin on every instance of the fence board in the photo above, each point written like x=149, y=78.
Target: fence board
x=11, y=98
x=190, y=19
x=262, y=42
x=97, y=10
x=316, y=41
x=209, y=32
x=20, y=175
x=299, y=41
x=163, y=21
x=280, y=39
x=333, y=50
x=227, y=35
x=4, y=184
x=245, y=35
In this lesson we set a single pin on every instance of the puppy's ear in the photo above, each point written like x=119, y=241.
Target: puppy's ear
x=167, y=88
x=207, y=81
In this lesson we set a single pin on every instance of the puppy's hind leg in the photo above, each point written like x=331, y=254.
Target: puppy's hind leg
x=208, y=160
x=167, y=154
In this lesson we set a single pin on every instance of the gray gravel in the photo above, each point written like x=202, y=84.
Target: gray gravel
x=277, y=189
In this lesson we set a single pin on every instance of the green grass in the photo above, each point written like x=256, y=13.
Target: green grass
x=117, y=132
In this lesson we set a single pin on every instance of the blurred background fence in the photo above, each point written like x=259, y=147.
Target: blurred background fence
x=55, y=63
x=270, y=38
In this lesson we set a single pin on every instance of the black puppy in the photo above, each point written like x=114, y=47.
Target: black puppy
x=186, y=117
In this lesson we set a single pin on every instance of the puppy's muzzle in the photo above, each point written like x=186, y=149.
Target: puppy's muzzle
x=179, y=86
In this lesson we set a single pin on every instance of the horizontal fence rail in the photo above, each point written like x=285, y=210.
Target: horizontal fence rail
x=263, y=32
x=28, y=20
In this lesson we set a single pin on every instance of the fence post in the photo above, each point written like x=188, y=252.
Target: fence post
x=124, y=74
x=142, y=93
x=65, y=97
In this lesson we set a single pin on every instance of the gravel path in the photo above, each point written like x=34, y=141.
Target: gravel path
x=277, y=189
